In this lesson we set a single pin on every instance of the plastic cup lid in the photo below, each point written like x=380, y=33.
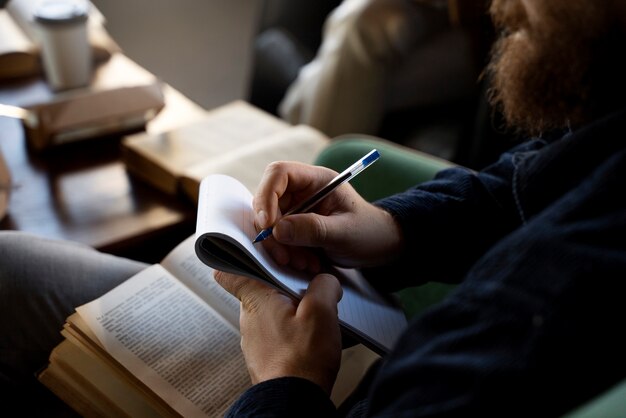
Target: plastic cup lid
x=61, y=12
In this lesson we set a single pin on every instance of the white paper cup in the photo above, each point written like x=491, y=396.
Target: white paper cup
x=66, y=53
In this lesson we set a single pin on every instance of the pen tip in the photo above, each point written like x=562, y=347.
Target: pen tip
x=262, y=235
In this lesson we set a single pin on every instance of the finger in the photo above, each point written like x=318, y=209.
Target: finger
x=299, y=258
x=254, y=295
x=332, y=222
x=304, y=259
x=281, y=179
x=271, y=187
x=310, y=229
x=239, y=286
x=322, y=296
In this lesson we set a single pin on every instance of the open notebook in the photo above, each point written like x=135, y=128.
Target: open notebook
x=225, y=232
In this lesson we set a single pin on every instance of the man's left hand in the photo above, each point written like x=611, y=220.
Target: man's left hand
x=282, y=337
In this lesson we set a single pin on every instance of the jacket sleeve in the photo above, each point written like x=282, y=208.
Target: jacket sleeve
x=449, y=222
x=283, y=397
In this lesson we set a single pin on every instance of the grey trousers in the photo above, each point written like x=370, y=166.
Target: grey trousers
x=41, y=282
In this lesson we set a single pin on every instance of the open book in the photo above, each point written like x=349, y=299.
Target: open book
x=19, y=46
x=163, y=343
x=225, y=232
x=236, y=138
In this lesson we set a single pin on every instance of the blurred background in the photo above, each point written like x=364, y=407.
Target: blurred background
x=217, y=51
x=202, y=48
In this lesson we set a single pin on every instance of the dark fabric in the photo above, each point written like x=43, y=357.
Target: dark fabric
x=286, y=396
x=41, y=282
x=463, y=213
x=537, y=243
x=278, y=57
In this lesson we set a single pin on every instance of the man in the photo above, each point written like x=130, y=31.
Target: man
x=536, y=242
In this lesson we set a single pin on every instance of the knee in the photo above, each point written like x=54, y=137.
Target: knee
x=30, y=261
x=13, y=247
x=16, y=253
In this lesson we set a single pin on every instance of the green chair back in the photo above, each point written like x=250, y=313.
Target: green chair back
x=398, y=169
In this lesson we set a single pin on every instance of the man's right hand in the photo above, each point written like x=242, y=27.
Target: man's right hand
x=351, y=231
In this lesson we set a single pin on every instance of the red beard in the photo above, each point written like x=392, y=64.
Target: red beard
x=558, y=72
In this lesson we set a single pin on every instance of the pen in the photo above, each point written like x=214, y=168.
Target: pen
x=346, y=175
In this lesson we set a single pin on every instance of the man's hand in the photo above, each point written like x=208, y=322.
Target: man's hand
x=281, y=337
x=350, y=231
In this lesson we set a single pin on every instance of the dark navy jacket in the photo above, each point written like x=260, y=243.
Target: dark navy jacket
x=537, y=242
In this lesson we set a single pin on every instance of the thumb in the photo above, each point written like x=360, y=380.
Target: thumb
x=242, y=288
x=306, y=230
x=322, y=295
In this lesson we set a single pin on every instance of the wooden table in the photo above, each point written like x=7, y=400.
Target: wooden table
x=82, y=191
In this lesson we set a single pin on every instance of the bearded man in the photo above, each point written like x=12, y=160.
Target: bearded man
x=534, y=241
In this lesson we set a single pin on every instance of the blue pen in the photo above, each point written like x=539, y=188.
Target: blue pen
x=346, y=175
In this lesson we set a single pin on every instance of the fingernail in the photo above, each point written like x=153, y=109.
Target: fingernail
x=261, y=219
x=284, y=231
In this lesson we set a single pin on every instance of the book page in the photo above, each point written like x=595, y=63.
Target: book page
x=299, y=143
x=185, y=265
x=77, y=395
x=172, y=341
x=225, y=220
x=99, y=385
x=77, y=333
x=226, y=129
